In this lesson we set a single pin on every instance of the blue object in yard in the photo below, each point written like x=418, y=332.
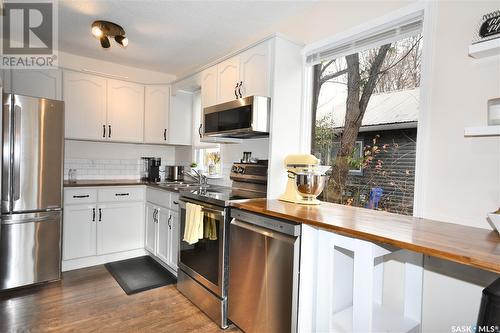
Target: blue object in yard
x=375, y=195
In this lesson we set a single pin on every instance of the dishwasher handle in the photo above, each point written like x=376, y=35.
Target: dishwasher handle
x=264, y=232
x=267, y=223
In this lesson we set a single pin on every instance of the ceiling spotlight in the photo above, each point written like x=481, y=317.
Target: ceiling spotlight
x=105, y=42
x=122, y=40
x=105, y=29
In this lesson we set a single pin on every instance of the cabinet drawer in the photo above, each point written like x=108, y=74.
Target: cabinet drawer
x=80, y=195
x=120, y=194
x=158, y=197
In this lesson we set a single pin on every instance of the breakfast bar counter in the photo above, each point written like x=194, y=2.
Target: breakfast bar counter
x=466, y=245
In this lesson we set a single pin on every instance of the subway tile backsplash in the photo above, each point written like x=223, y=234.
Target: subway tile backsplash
x=103, y=169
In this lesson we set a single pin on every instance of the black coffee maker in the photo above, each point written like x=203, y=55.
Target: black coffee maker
x=150, y=169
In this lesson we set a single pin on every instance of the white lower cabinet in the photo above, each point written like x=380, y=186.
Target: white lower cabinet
x=79, y=234
x=120, y=228
x=103, y=230
x=162, y=233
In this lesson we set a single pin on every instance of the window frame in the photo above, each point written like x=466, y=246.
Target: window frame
x=428, y=10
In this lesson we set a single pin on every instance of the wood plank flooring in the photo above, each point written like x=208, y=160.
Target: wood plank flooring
x=90, y=300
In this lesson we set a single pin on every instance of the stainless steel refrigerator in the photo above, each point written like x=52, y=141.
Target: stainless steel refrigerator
x=31, y=190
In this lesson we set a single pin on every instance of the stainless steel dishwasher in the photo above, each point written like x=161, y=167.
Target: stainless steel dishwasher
x=263, y=273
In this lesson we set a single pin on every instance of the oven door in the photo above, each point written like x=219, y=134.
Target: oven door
x=204, y=260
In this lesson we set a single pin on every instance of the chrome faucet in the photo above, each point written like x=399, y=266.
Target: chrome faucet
x=202, y=179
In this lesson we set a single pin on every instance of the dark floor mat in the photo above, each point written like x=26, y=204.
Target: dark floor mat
x=140, y=274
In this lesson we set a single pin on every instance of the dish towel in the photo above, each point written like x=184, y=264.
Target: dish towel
x=210, y=228
x=194, y=223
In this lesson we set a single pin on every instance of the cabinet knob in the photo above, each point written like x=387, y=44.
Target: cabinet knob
x=236, y=88
x=239, y=89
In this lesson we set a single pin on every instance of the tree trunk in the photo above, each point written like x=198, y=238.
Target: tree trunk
x=355, y=110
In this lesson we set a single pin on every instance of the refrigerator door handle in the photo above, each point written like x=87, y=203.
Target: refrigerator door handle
x=16, y=181
x=7, y=108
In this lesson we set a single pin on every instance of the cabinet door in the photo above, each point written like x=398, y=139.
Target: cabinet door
x=125, y=111
x=209, y=87
x=255, y=70
x=120, y=227
x=45, y=83
x=79, y=231
x=156, y=114
x=151, y=228
x=173, y=239
x=85, y=106
x=163, y=235
x=228, y=75
x=181, y=109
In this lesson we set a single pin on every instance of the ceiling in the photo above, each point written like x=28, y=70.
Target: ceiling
x=171, y=36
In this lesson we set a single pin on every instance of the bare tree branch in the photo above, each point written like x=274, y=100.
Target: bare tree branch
x=333, y=75
x=402, y=58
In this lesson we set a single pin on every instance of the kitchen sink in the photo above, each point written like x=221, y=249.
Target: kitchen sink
x=181, y=185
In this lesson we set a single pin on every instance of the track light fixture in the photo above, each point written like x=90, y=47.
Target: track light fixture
x=105, y=29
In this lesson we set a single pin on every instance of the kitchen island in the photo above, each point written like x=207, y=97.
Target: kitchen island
x=348, y=255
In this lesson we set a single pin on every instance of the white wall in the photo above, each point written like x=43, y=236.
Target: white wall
x=107, y=160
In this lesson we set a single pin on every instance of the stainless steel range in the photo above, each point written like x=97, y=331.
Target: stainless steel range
x=203, y=266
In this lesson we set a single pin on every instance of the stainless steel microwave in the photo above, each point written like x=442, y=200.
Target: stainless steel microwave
x=242, y=118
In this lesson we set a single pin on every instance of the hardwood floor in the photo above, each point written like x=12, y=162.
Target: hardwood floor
x=90, y=300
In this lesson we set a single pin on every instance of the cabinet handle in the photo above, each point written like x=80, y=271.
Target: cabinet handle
x=109, y=131
x=170, y=224
x=93, y=214
x=175, y=202
x=239, y=89
x=165, y=134
x=154, y=215
x=121, y=194
x=100, y=214
x=199, y=131
x=81, y=196
x=235, y=88
x=103, y=131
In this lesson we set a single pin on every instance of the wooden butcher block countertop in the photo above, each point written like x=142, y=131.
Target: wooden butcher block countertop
x=470, y=246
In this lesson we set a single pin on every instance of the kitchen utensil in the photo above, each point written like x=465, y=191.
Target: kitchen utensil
x=174, y=172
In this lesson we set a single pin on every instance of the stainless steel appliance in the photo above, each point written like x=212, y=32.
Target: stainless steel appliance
x=264, y=273
x=174, y=172
x=203, y=266
x=151, y=169
x=31, y=182
x=242, y=118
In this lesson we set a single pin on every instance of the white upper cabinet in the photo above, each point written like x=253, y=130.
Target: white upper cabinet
x=180, y=117
x=125, y=111
x=250, y=70
x=85, y=106
x=209, y=86
x=228, y=73
x=157, y=103
x=255, y=70
x=45, y=83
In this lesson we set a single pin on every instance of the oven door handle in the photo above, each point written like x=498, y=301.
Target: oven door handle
x=182, y=205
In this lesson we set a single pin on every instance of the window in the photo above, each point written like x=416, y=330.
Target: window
x=365, y=116
x=209, y=161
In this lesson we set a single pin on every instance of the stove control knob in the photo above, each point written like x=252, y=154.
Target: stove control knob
x=240, y=170
x=234, y=168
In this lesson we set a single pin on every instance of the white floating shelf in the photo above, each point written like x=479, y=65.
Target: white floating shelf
x=485, y=49
x=384, y=320
x=482, y=131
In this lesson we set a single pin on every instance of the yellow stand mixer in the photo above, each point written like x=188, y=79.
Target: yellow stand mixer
x=306, y=179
